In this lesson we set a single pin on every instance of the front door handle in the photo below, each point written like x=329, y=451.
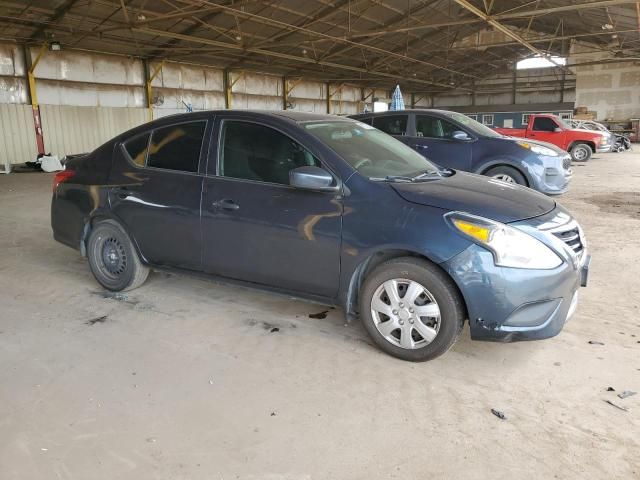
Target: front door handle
x=225, y=204
x=420, y=147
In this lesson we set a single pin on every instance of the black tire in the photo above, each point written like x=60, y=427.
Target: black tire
x=442, y=289
x=581, y=152
x=113, y=259
x=503, y=171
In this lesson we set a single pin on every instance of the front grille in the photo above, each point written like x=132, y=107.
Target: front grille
x=566, y=163
x=572, y=238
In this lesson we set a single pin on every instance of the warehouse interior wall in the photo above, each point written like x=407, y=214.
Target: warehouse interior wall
x=612, y=89
x=86, y=98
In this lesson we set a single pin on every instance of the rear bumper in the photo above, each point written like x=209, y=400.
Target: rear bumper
x=509, y=304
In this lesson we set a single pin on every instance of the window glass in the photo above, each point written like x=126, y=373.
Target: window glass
x=370, y=151
x=256, y=152
x=433, y=127
x=391, y=124
x=177, y=147
x=487, y=119
x=544, y=124
x=137, y=148
x=474, y=126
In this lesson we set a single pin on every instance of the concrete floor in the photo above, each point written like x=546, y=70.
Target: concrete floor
x=184, y=379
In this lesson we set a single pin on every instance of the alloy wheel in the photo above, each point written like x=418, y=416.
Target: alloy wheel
x=405, y=313
x=504, y=178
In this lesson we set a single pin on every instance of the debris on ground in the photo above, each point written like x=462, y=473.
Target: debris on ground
x=626, y=393
x=93, y=321
x=319, y=315
x=151, y=440
x=273, y=414
x=595, y=342
x=210, y=382
x=274, y=330
x=611, y=389
x=498, y=414
x=619, y=407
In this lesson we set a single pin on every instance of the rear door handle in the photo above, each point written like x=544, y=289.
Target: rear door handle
x=225, y=204
x=121, y=192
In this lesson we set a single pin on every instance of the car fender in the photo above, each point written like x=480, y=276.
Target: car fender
x=530, y=170
x=102, y=214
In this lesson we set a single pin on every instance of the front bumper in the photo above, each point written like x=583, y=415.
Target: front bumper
x=604, y=148
x=510, y=304
x=555, y=176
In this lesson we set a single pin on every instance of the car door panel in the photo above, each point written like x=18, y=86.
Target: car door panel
x=269, y=233
x=430, y=140
x=160, y=208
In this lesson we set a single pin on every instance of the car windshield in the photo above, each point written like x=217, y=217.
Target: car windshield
x=371, y=152
x=561, y=122
x=473, y=125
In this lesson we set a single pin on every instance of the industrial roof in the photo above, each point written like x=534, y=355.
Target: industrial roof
x=425, y=45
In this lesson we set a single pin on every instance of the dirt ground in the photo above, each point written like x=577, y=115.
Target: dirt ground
x=185, y=379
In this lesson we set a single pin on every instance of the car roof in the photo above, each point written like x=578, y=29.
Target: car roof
x=291, y=115
x=399, y=112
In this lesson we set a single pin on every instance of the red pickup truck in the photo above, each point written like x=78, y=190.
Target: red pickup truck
x=581, y=144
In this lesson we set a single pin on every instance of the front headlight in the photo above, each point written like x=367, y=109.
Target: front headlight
x=539, y=149
x=510, y=246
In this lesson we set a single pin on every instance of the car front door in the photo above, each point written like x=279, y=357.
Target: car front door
x=255, y=226
x=434, y=139
x=544, y=129
x=155, y=192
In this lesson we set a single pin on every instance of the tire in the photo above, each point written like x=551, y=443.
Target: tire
x=507, y=174
x=439, y=289
x=581, y=152
x=113, y=259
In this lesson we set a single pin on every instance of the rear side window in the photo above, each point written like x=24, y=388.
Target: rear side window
x=177, y=147
x=137, y=148
x=392, y=124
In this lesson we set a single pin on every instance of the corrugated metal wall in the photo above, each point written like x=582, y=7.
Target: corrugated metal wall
x=17, y=135
x=69, y=130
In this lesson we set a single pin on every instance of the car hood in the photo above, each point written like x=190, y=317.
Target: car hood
x=581, y=131
x=556, y=149
x=478, y=195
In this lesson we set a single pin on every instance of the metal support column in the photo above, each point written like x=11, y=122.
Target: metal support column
x=149, y=89
x=33, y=95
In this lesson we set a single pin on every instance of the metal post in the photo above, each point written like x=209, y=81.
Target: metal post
x=150, y=89
x=33, y=94
x=328, y=97
x=285, y=93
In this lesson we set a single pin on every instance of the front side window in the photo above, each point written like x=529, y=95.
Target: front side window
x=256, y=152
x=177, y=147
x=391, y=124
x=433, y=127
x=137, y=149
x=369, y=151
x=544, y=124
x=473, y=125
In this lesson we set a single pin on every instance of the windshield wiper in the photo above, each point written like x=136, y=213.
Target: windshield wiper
x=392, y=178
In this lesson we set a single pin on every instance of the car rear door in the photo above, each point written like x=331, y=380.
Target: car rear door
x=434, y=140
x=255, y=226
x=155, y=192
x=396, y=125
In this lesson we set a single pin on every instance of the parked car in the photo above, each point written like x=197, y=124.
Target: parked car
x=581, y=144
x=329, y=209
x=619, y=143
x=454, y=140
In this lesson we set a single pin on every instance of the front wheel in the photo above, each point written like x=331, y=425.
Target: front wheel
x=411, y=309
x=507, y=174
x=581, y=152
x=113, y=259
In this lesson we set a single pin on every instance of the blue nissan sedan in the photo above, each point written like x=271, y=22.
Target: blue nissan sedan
x=329, y=209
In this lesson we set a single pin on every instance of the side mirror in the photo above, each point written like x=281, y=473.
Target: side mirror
x=460, y=135
x=312, y=178
x=557, y=130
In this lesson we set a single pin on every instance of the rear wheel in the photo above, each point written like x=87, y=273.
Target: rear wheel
x=113, y=259
x=411, y=309
x=581, y=152
x=507, y=174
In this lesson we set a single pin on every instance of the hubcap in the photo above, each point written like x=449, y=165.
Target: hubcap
x=405, y=313
x=113, y=256
x=580, y=154
x=504, y=177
